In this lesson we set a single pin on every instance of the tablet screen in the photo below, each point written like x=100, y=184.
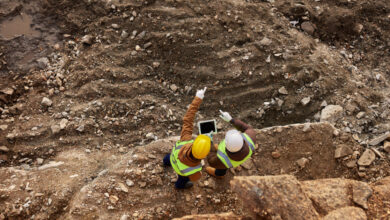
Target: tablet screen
x=207, y=127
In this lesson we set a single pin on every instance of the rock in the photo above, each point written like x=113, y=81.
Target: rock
x=331, y=113
x=147, y=45
x=43, y=62
x=302, y=162
x=39, y=161
x=274, y=194
x=248, y=164
x=306, y=127
x=379, y=139
x=283, y=91
x=386, y=146
x=173, y=87
x=3, y=127
x=275, y=154
x=55, y=129
x=4, y=149
x=360, y=115
x=63, y=123
x=115, y=26
x=142, y=184
x=113, y=199
x=80, y=128
x=123, y=187
x=348, y=212
x=265, y=41
x=305, y=101
x=361, y=192
x=324, y=103
x=124, y=34
x=150, y=136
x=351, y=164
x=156, y=64
x=367, y=158
x=87, y=39
x=308, y=27
x=46, y=102
x=124, y=217
x=52, y=164
x=138, y=48
x=7, y=91
x=342, y=151
x=129, y=182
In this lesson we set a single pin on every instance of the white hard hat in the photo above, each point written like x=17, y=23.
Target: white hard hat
x=233, y=140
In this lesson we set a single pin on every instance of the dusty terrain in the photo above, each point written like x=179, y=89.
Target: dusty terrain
x=93, y=92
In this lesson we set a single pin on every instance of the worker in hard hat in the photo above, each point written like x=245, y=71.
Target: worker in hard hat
x=237, y=147
x=187, y=153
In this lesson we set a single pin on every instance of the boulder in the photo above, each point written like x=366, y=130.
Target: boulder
x=274, y=194
x=348, y=212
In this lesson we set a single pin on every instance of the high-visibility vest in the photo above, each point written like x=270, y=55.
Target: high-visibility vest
x=178, y=166
x=229, y=163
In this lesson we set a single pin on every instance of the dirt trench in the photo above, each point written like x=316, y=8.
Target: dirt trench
x=120, y=74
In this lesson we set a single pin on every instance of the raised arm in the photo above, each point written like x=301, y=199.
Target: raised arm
x=189, y=117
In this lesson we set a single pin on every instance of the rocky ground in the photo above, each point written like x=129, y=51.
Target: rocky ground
x=92, y=83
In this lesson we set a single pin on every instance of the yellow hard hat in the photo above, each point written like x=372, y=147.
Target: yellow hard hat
x=201, y=146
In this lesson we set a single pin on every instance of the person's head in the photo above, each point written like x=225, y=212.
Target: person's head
x=233, y=141
x=201, y=146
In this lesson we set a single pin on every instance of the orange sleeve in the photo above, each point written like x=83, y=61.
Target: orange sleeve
x=195, y=177
x=188, y=120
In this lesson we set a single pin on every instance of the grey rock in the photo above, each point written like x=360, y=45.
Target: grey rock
x=39, y=161
x=305, y=101
x=367, y=158
x=80, y=128
x=43, y=62
x=129, y=182
x=342, y=151
x=124, y=217
x=265, y=41
x=331, y=113
x=4, y=149
x=379, y=139
x=302, y=162
x=87, y=39
x=150, y=136
x=124, y=34
x=52, y=164
x=360, y=115
x=3, y=127
x=115, y=26
x=63, y=123
x=324, y=103
x=283, y=91
x=46, y=102
x=173, y=87
x=55, y=129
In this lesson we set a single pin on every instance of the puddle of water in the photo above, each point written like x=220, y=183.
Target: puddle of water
x=19, y=25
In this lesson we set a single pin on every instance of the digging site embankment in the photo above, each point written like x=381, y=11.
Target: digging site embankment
x=93, y=92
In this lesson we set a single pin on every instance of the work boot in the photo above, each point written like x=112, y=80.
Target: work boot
x=188, y=185
x=211, y=171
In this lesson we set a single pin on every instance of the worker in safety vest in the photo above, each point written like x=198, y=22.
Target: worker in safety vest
x=237, y=147
x=187, y=153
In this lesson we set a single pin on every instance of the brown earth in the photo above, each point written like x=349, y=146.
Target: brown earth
x=121, y=73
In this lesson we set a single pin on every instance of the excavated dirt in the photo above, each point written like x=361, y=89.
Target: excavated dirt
x=120, y=75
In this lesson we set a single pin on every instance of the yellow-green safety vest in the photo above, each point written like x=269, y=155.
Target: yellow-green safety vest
x=229, y=163
x=178, y=166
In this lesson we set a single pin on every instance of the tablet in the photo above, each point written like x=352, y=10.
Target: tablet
x=207, y=126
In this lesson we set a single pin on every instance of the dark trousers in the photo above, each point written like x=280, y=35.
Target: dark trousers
x=220, y=172
x=181, y=180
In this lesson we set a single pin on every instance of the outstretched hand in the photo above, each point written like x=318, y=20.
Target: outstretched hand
x=200, y=93
x=225, y=116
